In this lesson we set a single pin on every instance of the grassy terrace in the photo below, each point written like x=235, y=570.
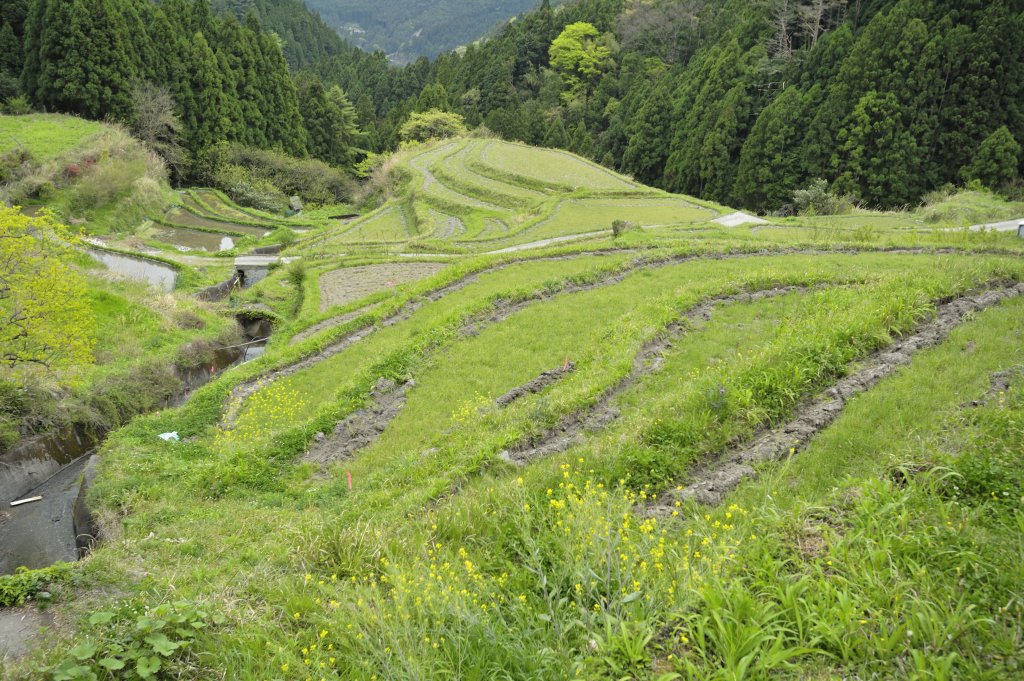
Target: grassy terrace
x=366, y=501
x=476, y=195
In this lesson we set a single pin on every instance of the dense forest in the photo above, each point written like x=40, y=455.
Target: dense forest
x=733, y=101
x=224, y=80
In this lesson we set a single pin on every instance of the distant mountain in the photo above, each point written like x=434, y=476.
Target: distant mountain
x=407, y=29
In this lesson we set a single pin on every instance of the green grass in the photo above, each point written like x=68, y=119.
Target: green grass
x=45, y=136
x=586, y=215
x=262, y=533
x=879, y=569
x=553, y=167
x=387, y=226
x=442, y=560
x=324, y=378
x=457, y=168
x=968, y=207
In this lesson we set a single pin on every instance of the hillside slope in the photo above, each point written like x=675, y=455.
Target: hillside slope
x=743, y=103
x=473, y=195
x=407, y=29
x=618, y=456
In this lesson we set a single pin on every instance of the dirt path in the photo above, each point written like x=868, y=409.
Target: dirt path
x=648, y=360
x=536, y=385
x=548, y=242
x=555, y=240
x=18, y=628
x=719, y=477
x=739, y=218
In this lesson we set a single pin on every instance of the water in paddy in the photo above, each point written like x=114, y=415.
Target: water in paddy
x=152, y=272
x=191, y=239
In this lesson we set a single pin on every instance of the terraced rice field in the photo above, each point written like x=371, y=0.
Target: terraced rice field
x=693, y=451
x=390, y=225
x=551, y=167
x=183, y=218
x=353, y=283
x=473, y=195
x=188, y=239
x=217, y=205
x=597, y=214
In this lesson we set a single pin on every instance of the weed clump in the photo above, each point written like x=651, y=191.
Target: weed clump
x=621, y=227
x=25, y=584
x=818, y=199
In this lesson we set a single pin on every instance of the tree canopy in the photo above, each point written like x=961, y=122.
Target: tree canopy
x=433, y=124
x=45, y=316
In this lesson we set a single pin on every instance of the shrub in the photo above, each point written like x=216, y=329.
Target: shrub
x=13, y=163
x=818, y=199
x=18, y=106
x=24, y=584
x=386, y=179
x=285, y=237
x=265, y=179
x=620, y=227
x=246, y=189
x=432, y=124
x=134, y=641
x=297, y=273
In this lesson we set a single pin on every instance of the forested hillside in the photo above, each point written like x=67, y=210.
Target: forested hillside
x=185, y=79
x=734, y=102
x=407, y=29
x=304, y=36
x=742, y=102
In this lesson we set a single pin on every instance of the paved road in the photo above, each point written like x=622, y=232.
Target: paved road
x=1006, y=226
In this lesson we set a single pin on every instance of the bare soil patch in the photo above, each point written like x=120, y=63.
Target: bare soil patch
x=536, y=385
x=360, y=428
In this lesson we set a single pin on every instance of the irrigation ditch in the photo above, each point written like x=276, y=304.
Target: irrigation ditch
x=55, y=470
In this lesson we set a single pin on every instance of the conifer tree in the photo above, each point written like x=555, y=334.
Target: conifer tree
x=770, y=165
x=556, y=137
x=316, y=117
x=84, y=59
x=878, y=157
x=581, y=142
x=283, y=120
x=996, y=163
x=433, y=96
x=235, y=53
x=346, y=135
x=204, y=122
x=649, y=132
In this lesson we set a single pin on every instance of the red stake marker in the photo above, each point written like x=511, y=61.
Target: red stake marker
x=565, y=367
x=349, y=474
